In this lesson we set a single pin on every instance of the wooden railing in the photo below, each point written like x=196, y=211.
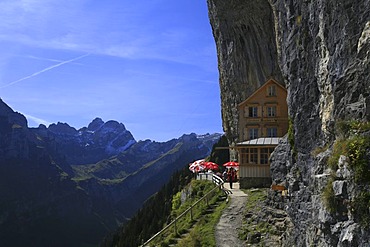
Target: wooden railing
x=215, y=179
x=210, y=176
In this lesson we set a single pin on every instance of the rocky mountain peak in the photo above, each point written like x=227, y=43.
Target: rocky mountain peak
x=4, y=108
x=112, y=126
x=62, y=128
x=14, y=119
x=95, y=124
x=100, y=140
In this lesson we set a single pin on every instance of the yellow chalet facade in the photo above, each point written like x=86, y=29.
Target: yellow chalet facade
x=263, y=120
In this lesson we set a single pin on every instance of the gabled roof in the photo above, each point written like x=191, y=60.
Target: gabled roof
x=261, y=87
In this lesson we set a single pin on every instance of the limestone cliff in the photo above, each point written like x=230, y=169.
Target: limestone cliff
x=323, y=51
x=247, y=56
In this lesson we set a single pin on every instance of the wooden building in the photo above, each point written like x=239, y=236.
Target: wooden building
x=263, y=120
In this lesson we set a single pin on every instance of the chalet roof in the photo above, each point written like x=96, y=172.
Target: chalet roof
x=261, y=141
x=260, y=88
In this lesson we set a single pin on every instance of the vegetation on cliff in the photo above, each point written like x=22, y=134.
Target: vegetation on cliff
x=353, y=144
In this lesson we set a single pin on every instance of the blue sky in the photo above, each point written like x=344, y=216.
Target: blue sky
x=149, y=64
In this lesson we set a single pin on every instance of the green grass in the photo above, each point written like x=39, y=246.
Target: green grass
x=201, y=223
x=319, y=150
x=203, y=234
x=340, y=147
x=255, y=198
x=329, y=197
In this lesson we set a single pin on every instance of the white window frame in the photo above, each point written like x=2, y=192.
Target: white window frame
x=272, y=132
x=271, y=111
x=252, y=111
x=253, y=133
x=272, y=90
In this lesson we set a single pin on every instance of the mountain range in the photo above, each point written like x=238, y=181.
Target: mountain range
x=60, y=186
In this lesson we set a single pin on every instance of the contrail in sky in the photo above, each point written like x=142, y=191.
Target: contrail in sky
x=44, y=70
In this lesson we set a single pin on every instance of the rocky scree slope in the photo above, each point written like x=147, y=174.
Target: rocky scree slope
x=321, y=49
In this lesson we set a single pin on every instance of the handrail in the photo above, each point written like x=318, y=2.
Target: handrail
x=212, y=177
x=177, y=218
x=217, y=180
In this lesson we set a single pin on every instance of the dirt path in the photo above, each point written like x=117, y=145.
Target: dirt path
x=231, y=219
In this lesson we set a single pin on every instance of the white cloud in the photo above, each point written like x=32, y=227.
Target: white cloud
x=34, y=121
x=44, y=70
x=119, y=28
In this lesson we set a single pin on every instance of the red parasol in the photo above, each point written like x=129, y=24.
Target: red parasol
x=210, y=165
x=232, y=164
x=196, y=166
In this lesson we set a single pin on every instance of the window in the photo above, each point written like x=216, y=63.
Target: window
x=271, y=111
x=264, y=156
x=253, y=111
x=253, y=133
x=272, y=90
x=244, y=155
x=271, y=132
x=253, y=158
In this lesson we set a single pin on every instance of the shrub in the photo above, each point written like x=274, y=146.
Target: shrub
x=340, y=148
x=360, y=126
x=319, y=150
x=342, y=129
x=357, y=152
x=329, y=197
x=176, y=201
x=357, y=148
x=361, y=207
x=291, y=137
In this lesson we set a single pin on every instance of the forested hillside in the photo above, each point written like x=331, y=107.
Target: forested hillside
x=157, y=210
x=151, y=218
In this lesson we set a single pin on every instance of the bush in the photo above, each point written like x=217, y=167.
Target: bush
x=340, y=148
x=291, y=137
x=342, y=129
x=361, y=206
x=329, y=197
x=176, y=201
x=357, y=149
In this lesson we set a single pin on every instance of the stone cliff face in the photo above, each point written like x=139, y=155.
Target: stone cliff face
x=247, y=57
x=323, y=52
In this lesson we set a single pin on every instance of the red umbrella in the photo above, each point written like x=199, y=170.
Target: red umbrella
x=210, y=165
x=232, y=164
x=197, y=162
x=196, y=166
